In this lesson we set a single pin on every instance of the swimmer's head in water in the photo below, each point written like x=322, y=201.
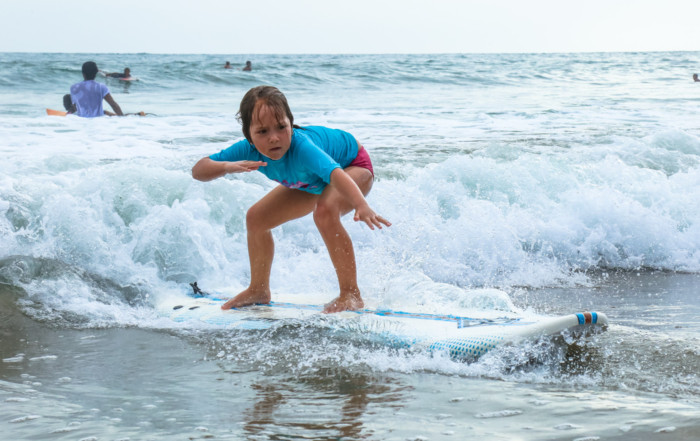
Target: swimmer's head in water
x=271, y=97
x=67, y=102
x=89, y=70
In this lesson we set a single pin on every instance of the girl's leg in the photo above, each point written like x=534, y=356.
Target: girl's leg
x=282, y=204
x=329, y=208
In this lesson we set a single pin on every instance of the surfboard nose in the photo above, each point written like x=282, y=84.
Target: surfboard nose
x=592, y=318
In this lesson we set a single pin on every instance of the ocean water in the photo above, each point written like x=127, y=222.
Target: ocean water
x=519, y=184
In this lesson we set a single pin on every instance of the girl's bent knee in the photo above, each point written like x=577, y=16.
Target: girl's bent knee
x=254, y=220
x=325, y=215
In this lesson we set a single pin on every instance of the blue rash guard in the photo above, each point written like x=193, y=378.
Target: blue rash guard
x=314, y=153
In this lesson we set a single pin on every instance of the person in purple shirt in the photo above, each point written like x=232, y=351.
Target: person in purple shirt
x=320, y=170
x=87, y=95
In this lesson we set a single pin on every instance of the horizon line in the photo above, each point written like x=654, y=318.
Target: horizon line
x=360, y=53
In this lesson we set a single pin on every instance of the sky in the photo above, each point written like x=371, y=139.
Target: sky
x=348, y=26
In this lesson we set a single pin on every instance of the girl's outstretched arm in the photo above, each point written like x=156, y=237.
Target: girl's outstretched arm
x=348, y=188
x=206, y=169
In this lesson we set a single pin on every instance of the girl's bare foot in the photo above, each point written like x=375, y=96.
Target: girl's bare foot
x=248, y=297
x=350, y=302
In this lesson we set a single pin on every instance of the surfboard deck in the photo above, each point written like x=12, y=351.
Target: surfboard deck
x=461, y=337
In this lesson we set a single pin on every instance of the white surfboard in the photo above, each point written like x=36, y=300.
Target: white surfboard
x=461, y=337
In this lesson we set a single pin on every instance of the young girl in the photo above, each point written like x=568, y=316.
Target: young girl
x=321, y=170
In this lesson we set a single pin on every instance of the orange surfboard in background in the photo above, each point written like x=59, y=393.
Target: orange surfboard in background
x=52, y=112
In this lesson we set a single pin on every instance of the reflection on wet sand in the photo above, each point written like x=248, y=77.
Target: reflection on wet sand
x=330, y=406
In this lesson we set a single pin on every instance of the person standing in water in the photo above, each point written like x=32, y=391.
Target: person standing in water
x=322, y=171
x=87, y=95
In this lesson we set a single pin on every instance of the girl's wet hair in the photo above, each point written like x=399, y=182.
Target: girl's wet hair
x=272, y=98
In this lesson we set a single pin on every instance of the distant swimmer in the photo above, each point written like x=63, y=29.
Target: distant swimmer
x=126, y=74
x=227, y=65
x=695, y=78
x=68, y=104
x=248, y=66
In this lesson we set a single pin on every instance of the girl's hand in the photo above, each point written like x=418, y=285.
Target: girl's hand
x=243, y=166
x=206, y=169
x=365, y=214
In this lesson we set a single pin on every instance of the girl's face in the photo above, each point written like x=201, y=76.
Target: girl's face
x=271, y=136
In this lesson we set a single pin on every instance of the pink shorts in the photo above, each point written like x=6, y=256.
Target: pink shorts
x=362, y=160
